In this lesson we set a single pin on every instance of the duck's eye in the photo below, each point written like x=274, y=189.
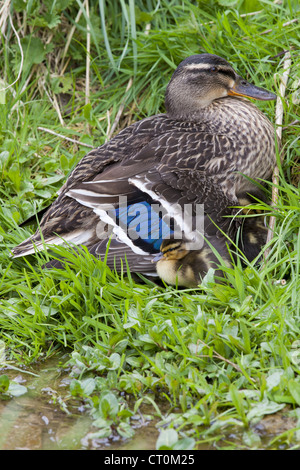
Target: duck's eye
x=213, y=69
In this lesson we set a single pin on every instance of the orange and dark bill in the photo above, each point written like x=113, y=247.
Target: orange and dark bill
x=243, y=88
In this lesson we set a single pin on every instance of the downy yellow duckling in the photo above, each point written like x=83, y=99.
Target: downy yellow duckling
x=177, y=265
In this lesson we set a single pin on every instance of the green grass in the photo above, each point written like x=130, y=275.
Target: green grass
x=214, y=358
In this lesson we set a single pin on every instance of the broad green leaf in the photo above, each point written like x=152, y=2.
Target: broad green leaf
x=34, y=51
x=16, y=390
x=4, y=383
x=88, y=386
x=251, y=438
x=186, y=443
x=263, y=408
x=294, y=388
x=109, y=405
x=167, y=439
x=125, y=430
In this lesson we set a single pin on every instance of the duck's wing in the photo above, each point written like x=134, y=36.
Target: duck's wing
x=153, y=183
x=118, y=255
x=66, y=219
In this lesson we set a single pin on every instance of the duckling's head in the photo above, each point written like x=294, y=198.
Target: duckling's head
x=173, y=249
x=171, y=266
x=203, y=78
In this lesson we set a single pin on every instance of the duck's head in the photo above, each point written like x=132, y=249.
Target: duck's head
x=172, y=250
x=201, y=79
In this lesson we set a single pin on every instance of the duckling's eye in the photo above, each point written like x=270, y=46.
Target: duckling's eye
x=213, y=69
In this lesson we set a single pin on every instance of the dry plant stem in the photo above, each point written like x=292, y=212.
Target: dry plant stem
x=284, y=24
x=57, y=108
x=88, y=51
x=278, y=122
x=4, y=14
x=54, y=103
x=64, y=137
x=275, y=180
x=267, y=31
x=65, y=66
x=282, y=88
x=244, y=15
x=21, y=51
x=218, y=356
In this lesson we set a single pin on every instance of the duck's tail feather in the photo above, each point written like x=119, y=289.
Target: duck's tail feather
x=32, y=245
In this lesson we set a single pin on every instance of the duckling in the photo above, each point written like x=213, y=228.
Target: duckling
x=253, y=237
x=253, y=232
x=196, y=153
x=177, y=265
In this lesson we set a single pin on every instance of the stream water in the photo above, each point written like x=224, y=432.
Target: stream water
x=36, y=420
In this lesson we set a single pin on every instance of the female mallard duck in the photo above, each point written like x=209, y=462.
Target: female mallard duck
x=194, y=155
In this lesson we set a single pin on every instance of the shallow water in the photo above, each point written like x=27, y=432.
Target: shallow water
x=35, y=420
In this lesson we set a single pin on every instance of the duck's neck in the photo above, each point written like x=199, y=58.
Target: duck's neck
x=221, y=115
x=187, y=109
x=184, y=104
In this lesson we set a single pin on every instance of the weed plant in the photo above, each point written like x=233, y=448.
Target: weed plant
x=215, y=358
